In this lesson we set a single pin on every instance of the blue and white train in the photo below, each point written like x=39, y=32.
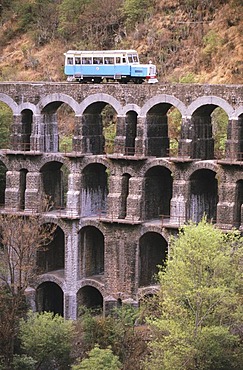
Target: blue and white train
x=108, y=65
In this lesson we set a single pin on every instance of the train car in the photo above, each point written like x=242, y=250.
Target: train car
x=108, y=65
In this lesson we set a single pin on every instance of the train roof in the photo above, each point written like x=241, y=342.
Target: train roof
x=100, y=51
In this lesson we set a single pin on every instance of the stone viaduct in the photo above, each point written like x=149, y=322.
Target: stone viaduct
x=115, y=210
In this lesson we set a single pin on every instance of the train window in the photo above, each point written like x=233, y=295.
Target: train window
x=98, y=60
x=118, y=60
x=86, y=60
x=109, y=60
x=69, y=60
x=77, y=60
x=135, y=58
x=130, y=60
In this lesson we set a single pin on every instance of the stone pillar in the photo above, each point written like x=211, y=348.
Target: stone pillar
x=226, y=206
x=30, y=298
x=33, y=193
x=110, y=303
x=114, y=197
x=120, y=139
x=179, y=201
x=77, y=138
x=70, y=306
x=16, y=133
x=71, y=271
x=134, y=199
x=234, y=143
x=37, y=136
x=12, y=191
x=141, y=144
x=51, y=138
x=73, y=194
x=185, y=142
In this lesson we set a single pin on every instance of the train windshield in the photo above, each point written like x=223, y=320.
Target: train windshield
x=132, y=58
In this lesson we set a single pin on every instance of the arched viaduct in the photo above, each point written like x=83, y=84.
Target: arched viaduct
x=116, y=204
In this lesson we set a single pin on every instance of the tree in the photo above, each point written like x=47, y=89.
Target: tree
x=99, y=359
x=198, y=323
x=20, y=238
x=47, y=339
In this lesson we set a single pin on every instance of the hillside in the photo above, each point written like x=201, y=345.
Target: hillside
x=189, y=41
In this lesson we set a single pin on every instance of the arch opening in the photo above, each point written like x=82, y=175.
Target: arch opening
x=163, y=123
x=124, y=194
x=52, y=256
x=27, y=121
x=58, y=123
x=153, y=249
x=91, y=298
x=239, y=202
x=91, y=252
x=94, y=190
x=3, y=171
x=55, y=184
x=203, y=197
x=158, y=192
x=209, y=132
x=131, y=132
x=49, y=297
x=6, y=119
x=23, y=174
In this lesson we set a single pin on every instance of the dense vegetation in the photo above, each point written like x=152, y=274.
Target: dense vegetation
x=190, y=41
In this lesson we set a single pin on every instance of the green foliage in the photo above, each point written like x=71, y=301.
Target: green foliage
x=135, y=11
x=5, y=122
x=99, y=359
x=212, y=42
x=65, y=144
x=200, y=307
x=69, y=16
x=23, y=362
x=220, y=125
x=188, y=78
x=114, y=330
x=174, y=129
x=47, y=339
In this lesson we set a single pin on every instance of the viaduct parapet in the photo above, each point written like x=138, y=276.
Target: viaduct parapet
x=117, y=201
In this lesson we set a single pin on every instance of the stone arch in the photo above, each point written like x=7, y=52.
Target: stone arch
x=91, y=297
x=131, y=107
x=238, y=112
x=208, y=127
x=91, y=252
x=157, y=192
x=163, y=98
x=203, y=195
x=210, y=100
x=153, y=250
x=198, y=165
x=10, y=102
x=160, y=135
x=96, y=130
x=28, y=106
x=50, y=297
x=147, y=291
x=100, y=97
x=57, y=97
x=51, y=125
